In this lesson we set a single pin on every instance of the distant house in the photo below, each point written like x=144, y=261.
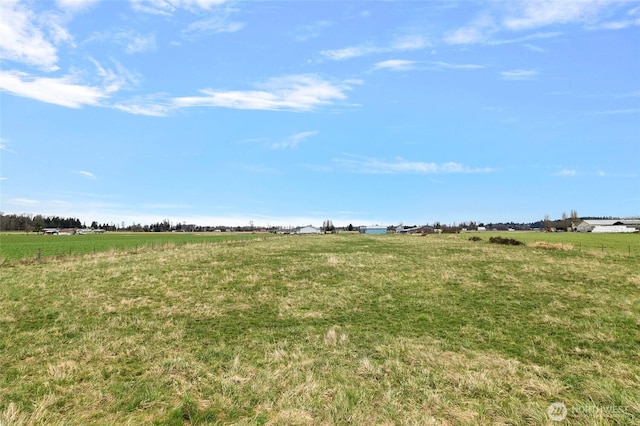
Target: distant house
x=482, y=228
x=609, y=225
x=309, y=230
x=375, y=229
x=51, y=231
x=424, y=229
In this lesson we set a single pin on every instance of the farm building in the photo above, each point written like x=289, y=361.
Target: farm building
x=609, y=225
x=309, y=230
x=375, y=229
x=424, y=229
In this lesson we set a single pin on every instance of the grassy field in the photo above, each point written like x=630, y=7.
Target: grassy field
x=21, y=246
x=625, y=244
x=331, y=329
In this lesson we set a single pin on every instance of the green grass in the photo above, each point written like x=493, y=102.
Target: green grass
x=625, y=244
x=21, y=246
x=331, y=329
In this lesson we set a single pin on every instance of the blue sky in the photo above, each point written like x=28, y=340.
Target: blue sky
x=224, y=112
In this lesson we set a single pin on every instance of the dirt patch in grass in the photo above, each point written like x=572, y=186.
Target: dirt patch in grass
x=551, y=246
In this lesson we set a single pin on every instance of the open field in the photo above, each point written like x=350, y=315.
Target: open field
x=621, y=244
x=21, y=246
x=329, y=329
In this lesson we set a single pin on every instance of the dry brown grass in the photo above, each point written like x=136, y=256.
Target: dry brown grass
x=551, y=246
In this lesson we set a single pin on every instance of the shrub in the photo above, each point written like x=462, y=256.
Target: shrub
x=505, y=241
x=474, y=238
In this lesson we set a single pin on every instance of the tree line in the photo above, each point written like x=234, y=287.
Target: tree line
x=29, y=223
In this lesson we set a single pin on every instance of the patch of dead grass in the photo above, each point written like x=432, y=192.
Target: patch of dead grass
x=551, y=246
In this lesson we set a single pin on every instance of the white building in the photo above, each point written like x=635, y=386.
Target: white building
x=309, y=230
x=609, y=225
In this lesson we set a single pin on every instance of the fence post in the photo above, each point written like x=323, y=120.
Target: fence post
x=39, y=253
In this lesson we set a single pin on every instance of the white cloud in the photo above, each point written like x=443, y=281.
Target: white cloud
x=146, y=107
x=218, y=23
x=292, y=93
x=168, y=7
x=75, y=5
x=366, y=165
x=87, y=174
x=407, y=65
x=135, y=42
x=539, y=13
x=534, y=48
x=618, y=111
x=519, y=74
x=311, y=31
x=23, y=40
x=73, y=91
x=566, y=172
x=401, y=44
x=131, y=40
x=528, y=15
x=293, y=140
x=24, y=202
x=64, y=91
x=396, y=65
x=477, y=31
x=113, y=81
x=448, y=65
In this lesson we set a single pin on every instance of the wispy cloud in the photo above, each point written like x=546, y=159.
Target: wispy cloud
x=617, y=111
x=402, y=44
x=75, y=5
x=64, y=91
x=534, y=48
x=293, y=140
x=72, y=90
x=132, y=41
x=168, y=7
x=396, y=65
x=155, y=105
x=24, y=38
x=291, y=93
x=87, y=174
x=530, y=15
x=452, y=66
x=366, y=165
x=135, y=42
x=566, y=172
x=24, y=201
x=519, y=74
x=218, y=21
x=407, y=65
x=311, y=31
x=540, y=13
